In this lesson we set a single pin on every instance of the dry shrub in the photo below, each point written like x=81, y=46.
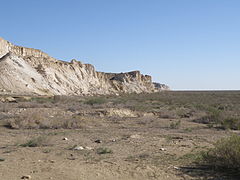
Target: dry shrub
x=104, y=150
x=225, y=154
x=220, y=118
x=231, y=123
x=36, y=142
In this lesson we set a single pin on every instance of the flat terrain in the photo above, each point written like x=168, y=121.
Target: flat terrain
x=128, y=137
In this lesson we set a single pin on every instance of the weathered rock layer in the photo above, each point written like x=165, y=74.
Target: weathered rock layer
x=31, y=71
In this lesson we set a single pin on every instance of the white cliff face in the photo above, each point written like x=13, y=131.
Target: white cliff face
x=31, y=71
x=4, y=47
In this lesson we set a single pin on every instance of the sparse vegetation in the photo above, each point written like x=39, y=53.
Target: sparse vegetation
x=175, y=125
x=216, y=109
x=46, y=151
x=188, y=129
x=42, y=100
x=95, y=100
x=104, y=150
x=221, y=118
x=173, y=128
x=225, y=154
x=231, y=123
x=35, y=142
x=72, y=147
x=40, y=119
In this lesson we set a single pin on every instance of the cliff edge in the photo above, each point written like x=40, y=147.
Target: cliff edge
x=31, y=71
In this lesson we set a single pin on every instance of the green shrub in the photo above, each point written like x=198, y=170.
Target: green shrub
x=225, y=154
x=220, y=117
x=35, y=142
x=188, y=129
x=104, y=151
x=214, y=115
x=231, y=123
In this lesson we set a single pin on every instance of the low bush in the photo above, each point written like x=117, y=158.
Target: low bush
x=231, y=123
x=219, y=117
x=35, y=142
x=104, y=150
x=225, y=154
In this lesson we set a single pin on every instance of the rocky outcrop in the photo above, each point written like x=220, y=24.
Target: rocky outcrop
x=161, y=86
x=31, y=71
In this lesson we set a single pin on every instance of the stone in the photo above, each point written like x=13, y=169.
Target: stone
x=25, y=98
x=135, y=136
x=2, y=99
x=88, y=148
x=10, y=99
x=175, y=167
x=162, y=149
x=98, y=141
x=78, y=148
x=161, y=86
x=26, y=177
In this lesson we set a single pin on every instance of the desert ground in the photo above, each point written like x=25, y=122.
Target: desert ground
x=159, y=136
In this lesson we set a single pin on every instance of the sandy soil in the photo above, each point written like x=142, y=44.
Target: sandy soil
x=140, y=148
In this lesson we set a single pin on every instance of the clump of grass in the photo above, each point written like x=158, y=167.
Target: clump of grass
x=35, y=142
x=144, y=156
x=103, y=150
x=95, y=100
x=46, y=151
x=2, y=159
x=72, y=147
x=225, y=154
x=191, y=157
x=188, y=129
x=175, y=125
x=168, y=138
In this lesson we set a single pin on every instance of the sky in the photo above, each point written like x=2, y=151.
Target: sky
x=186, y=44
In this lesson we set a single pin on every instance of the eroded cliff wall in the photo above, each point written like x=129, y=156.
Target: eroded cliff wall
x=31, y=71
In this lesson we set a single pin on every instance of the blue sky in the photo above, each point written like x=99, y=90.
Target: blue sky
x=187, y=44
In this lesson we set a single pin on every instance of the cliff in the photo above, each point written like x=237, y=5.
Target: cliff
x=31, y=71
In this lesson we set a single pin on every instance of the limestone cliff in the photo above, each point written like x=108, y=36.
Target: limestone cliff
x=31, y=71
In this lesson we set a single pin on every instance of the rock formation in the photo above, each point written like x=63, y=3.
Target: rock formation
x=31, y=71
